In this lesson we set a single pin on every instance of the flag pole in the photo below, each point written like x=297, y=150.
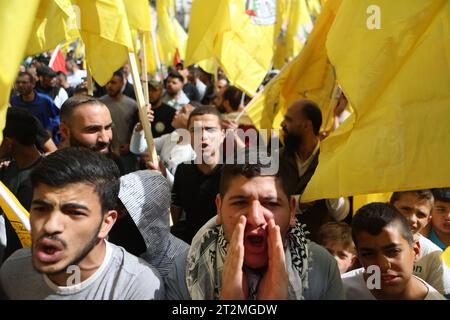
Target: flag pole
x=144, y=77
x=151, y=151
x=90, y=82
x=333, y=96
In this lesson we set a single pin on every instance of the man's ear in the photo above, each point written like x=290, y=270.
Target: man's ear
x=292, y=209
x=218, y=205
x=65, y=132
x=416, y=248
x=109, y=219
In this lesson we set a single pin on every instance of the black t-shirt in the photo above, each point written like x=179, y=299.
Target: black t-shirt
x=195, y=192
x=162, y=122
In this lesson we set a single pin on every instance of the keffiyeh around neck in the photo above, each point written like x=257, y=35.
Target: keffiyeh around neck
x=208, y=251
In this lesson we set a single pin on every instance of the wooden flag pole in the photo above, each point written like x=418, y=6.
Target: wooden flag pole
x=332, y=104
x=144, y=77
x=151, y=151
x=90, y=82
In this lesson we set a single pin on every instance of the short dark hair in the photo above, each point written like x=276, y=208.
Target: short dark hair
x=312, y=112
x=26, y=74
x=373, y=217
x=46, y=71
x=337, y=232
x=80, y=165
x=175, y=75
x=202, y=110
x=441, y=194
x=234, y=96
x=71, y=104
x=421, y=194
x=236, y=168
x=119, y=73
x=21, y=126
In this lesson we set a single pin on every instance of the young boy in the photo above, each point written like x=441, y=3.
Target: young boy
x=416, y=207
x=440, y=231
x=386, y=250
x=336, y=237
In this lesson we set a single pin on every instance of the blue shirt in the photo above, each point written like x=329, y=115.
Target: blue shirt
x=433, y=237
x=42, y=107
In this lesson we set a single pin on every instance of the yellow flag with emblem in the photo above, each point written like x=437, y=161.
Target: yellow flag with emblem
x=398, y=137
x=106, y=35
x=15, y=16
x=55, y=21
x=309, y=76
x=294, y=31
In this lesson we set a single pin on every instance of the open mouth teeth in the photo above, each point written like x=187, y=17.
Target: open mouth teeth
x=49, y=250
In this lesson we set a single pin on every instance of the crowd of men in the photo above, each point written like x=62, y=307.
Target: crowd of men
x=212, y=220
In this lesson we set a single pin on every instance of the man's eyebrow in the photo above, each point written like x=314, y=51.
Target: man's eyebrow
x=391, y=246
x=41, y=202
x=237, y=197
x=73, y=205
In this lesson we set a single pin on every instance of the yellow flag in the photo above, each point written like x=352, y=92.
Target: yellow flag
x=309, y=76
x=55, y=21
x=240, y=35
x=446, y=256
x=296, y=27
x=170, y=32
x=17, y=215
x=361, y=200
x=138, y=14
x=204, y=24
x=106, y=35
x=15, y=17
x=391, y=59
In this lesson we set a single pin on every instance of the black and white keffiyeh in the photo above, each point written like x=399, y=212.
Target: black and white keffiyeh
x=208, y=251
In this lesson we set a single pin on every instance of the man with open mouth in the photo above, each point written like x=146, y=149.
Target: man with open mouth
x=75, y=192
x=254, y=248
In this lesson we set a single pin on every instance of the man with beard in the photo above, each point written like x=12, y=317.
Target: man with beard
x=75, y=192
x=86, y=122
x=254, y=249
x=301, y=126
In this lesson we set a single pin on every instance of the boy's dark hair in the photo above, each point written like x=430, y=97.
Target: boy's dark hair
x=71, y=104
x=21, y=126
x=202, y=110
x=373, y=217
x=234, y=97
x=80, y=165
x=421, y=194
x=312, y=112
x=119, y=73
x=46, y=71
x=27, y=74
x=176, y=75
x=441, y=194
x=238, y=168
x=337, y=232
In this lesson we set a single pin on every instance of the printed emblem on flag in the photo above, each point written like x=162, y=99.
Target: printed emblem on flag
x=262, y=12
